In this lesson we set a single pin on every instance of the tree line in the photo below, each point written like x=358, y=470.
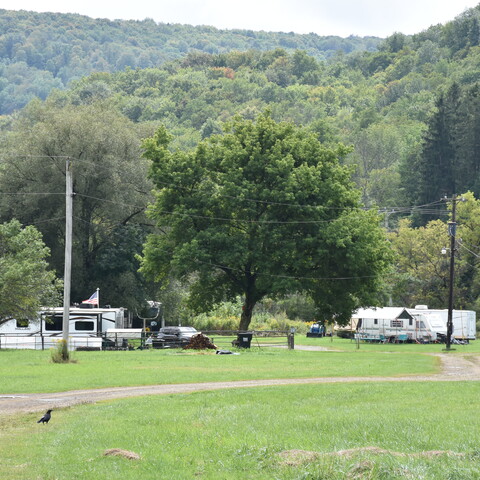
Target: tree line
x=43, y=51
x=407, y=114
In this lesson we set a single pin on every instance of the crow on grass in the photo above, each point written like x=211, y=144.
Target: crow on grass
x=46, y=417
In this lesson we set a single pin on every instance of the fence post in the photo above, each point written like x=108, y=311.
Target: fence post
x=291, y=339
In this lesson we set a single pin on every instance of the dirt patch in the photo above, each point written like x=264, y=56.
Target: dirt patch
x=118, y=452
x=295, y=458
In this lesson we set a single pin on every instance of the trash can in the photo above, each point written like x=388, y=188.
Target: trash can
x=244, y=339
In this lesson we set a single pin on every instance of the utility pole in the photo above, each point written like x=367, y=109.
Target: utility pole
x=452, y=230
x=68, y=251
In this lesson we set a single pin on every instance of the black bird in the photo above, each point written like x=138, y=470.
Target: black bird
x=46, y=417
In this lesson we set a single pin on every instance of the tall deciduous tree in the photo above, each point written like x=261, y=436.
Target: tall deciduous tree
x=26, y=283
x=264, y=209
x=110, y=186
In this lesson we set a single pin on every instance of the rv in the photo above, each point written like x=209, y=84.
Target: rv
x=392, y=324
x=463, y=321
x=86, y=328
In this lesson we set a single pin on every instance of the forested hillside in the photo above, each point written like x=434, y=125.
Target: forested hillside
x=41, y=51
x=409, y=110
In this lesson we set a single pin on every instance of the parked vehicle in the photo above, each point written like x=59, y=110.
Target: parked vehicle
x=172, y=337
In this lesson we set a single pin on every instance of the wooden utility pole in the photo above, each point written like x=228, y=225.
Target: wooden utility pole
x=68, y=250
x=452, y=230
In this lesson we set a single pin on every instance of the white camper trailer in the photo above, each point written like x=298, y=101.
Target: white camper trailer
x=463, y=321
x=86, y=327
x=392, y=324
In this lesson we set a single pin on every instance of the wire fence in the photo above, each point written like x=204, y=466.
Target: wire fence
x=44, y=342
x=253, y=338
x=136, y=338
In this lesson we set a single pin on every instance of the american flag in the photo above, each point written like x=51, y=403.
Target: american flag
x=93, y=299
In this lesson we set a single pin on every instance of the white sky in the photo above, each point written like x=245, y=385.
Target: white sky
x=378, y=18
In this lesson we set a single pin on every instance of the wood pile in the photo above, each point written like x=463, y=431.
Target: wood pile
x=200, y=342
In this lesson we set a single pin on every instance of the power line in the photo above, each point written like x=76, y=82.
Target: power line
x=292, y=277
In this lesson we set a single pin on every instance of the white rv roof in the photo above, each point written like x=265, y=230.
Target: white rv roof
x=77, y=310
x=388, y=313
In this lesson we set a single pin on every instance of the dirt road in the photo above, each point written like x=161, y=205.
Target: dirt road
x=455, y=367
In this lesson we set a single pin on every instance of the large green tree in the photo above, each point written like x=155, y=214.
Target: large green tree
x=26, y=283
x=111, y=192
x=264, y=209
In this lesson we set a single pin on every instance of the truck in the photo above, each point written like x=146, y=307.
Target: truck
x=88, y=327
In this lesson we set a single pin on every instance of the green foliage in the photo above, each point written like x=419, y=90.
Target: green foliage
x=422, y=271
x=408, y=106
x=111, y=193
x=449, y=160
x=262, y=211
x=60, y=353
x=43, y=51
x=26, y=283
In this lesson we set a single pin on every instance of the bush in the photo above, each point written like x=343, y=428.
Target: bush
x=60, y=353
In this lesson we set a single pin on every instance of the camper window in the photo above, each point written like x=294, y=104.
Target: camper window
x=22, y=322
x=83, y=325
x=420, y=324
x=375, y=321
x=396, y=323
x=54, y=322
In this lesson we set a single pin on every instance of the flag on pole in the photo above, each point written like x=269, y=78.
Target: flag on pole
x=93, y=299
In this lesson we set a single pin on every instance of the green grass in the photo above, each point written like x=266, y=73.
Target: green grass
x=344, y=344
x=27, y=371
x=239, y=434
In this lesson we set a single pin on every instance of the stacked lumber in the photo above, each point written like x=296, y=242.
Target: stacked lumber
x=200, y=342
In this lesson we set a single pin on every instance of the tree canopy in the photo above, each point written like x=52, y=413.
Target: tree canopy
x=110, y=186
x=264, y=209
x=26, y=283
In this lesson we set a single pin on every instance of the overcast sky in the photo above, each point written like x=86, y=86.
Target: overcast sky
x=379, y=18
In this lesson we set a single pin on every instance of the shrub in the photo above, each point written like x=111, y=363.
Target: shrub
x=60, y=353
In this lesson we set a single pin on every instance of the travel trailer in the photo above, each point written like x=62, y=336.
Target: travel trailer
x=392, y=324
x=463, y=321
x=86, y=328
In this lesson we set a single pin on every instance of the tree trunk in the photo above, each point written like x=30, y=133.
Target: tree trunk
x=246, y=317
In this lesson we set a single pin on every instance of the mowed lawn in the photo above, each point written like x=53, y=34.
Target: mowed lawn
x=419, y=430
x=359, y=430
x=25, y=371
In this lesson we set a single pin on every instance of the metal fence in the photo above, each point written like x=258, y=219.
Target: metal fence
x=254, y=338
x=222, y=339
x=45, y=342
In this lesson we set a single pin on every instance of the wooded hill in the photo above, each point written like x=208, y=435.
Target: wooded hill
x=41, y=51
x=410, y=109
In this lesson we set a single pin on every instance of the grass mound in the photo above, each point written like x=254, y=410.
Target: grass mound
x=119, y=452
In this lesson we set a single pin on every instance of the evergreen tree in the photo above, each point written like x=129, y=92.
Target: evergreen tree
x=436, y=166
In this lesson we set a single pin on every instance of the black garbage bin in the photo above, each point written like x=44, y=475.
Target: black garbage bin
x=244, y=339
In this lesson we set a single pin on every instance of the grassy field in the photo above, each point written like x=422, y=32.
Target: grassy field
x=343, y=344
x=262, y=433
x=29, y=371
x=287, y=432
